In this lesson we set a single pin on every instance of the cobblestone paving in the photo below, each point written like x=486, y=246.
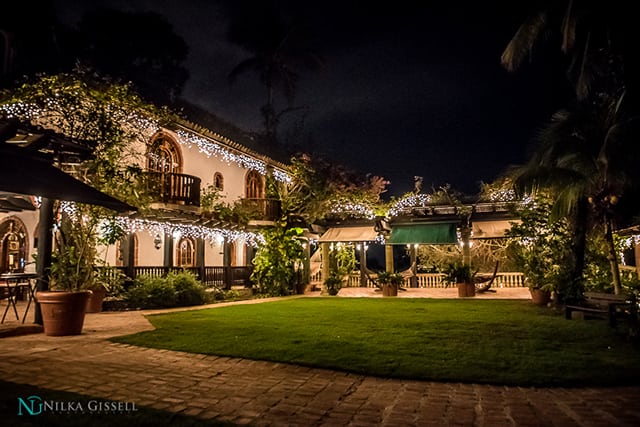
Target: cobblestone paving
x=257, y=393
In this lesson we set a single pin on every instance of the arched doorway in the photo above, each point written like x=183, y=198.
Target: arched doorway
x=254, y=185
x=163, y=155
x=186, y=252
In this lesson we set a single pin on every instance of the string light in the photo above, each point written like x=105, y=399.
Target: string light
x=502, y=195
x=210, y=148
x=358, y=210
x=409, y=202
x=211, y=235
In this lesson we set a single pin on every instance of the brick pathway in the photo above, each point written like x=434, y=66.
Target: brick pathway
x=272, y=394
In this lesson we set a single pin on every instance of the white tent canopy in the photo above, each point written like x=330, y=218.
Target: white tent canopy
x=490, y=229
x=349, y=234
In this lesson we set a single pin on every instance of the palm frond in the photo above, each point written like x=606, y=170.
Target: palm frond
x=568, y=28
x=523, y=41
x=585, y=77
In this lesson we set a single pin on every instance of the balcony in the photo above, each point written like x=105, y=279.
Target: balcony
x=262, y=209
x=174, y=188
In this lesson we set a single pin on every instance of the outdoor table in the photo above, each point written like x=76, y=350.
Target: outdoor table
x=14, y=283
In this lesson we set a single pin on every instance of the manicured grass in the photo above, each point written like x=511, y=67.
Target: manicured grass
x=484, y=341
x=9, y=409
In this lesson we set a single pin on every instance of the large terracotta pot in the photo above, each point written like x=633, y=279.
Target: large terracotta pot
x=389, y=290
x=63, y=312
x=466, y=290
x=471, y=289
x=94, y=305
x=539, y=296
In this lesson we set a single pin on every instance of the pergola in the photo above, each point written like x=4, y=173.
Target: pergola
x=26, y=171
x=434, y=225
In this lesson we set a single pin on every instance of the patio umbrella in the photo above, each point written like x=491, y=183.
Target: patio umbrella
x=26, y=174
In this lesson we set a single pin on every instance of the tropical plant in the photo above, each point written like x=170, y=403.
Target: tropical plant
x=274, y=263
x=333, y=283
x=343, y=260
x=321, y=189
x=458, y=272
x=596, y=37
x=540, y=247
x=390, y=278
x=584, y=155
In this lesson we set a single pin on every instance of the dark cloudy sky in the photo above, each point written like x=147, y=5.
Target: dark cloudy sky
x=406, y=90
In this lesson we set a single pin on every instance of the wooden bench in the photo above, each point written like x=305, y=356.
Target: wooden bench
x=604, y=306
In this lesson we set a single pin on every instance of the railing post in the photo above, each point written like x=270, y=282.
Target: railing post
x=168, y=250
x=200, y=259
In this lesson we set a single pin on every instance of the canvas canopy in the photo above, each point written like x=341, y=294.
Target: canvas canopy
x=437, y=233
x=490, y=229
x=349, y=234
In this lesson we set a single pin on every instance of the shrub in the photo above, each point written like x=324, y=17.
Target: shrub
x=189, y=291
x=174, y=290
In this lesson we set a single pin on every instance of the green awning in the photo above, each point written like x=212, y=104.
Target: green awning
x=435, y=233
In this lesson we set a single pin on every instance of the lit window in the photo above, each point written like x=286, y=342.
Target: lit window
x=218, y=181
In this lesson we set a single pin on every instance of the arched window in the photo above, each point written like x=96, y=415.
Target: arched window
x=186, y=255
x=218, y=181
x=163, y=155
x=13, y=245
x=254, y=185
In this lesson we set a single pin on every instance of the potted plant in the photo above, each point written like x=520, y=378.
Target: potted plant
x=71, y=278
x=461, y=275
x=390, y=283
x=333, y=284
x=63, y=307
x=107, y=282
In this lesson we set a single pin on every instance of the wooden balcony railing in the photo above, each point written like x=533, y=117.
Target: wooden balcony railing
x=262, y=209
x=174, y=188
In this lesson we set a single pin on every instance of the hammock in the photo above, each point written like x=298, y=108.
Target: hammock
x=483, y=284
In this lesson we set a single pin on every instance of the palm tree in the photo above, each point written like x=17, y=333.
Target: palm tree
x=597, y=37
x=279, y=50
x=586, y=156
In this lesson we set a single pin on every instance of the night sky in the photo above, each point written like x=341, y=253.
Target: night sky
x=415, y=90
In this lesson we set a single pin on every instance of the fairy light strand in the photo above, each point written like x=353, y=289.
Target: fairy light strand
x=211, y=235
x=210, y=148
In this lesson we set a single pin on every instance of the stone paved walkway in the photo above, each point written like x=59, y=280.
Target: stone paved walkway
x=272, y=394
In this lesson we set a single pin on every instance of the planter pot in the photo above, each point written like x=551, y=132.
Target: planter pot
x=389, y=291
x=539, y=296
x=333, y=291
x=462, y=290
x=94, y=305
x=471, y=289
x=466, y=290
x=63, y=312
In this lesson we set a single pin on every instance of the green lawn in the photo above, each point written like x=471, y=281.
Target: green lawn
x=485, y=341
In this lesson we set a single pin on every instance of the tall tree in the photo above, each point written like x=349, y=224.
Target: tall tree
x=597, y=37
x=279, y=46
x=585, y=155
x=140, y=47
